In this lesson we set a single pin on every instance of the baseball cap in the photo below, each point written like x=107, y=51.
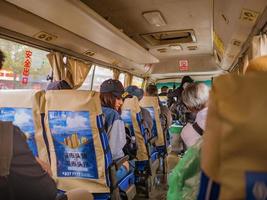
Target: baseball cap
x=135, y=91
x=113, y=86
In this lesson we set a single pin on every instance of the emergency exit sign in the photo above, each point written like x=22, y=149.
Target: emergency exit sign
x=183, y=65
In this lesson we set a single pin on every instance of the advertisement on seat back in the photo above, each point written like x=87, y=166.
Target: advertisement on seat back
x=23, y=118
x=74, y=145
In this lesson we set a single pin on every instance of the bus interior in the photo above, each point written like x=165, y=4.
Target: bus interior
x=137, y=42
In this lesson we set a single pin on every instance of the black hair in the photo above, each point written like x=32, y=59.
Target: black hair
x=152, y=90
x=186, y=79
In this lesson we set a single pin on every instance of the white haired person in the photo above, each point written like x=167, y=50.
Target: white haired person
x=195, y=97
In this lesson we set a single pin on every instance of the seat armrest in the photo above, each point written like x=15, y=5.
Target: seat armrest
x=119, y=162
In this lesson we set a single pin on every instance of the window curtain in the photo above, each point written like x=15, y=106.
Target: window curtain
x=128, y=79
x=77, y=72
x=74, y=72
x=145, y=83
x=116, y=74
x=57, y=65
x=245, y=64
x=259, y=45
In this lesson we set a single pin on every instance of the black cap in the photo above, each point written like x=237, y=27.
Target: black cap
x=113, y=86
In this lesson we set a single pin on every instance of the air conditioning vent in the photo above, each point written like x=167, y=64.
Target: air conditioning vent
x=249, y=15
x=170, y=37
x=236, y=43
x=162, y=50
x=45, y=36
x=89, y=53
x=192, y=48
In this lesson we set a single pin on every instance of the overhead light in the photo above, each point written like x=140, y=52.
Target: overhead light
x=155, y=18
x=175, y=47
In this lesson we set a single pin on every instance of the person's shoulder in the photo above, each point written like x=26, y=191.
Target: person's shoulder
x=111, y=113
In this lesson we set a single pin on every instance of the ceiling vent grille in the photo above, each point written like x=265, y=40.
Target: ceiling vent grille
x=89, y=53
x=45, y=36
x=170, y=37
x=192, y=48
x=249, y=15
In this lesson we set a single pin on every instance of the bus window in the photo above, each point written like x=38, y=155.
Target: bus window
x=137, y=81
x=101, y=74
x=24, y=68
x=122, y=78
x=87, y=84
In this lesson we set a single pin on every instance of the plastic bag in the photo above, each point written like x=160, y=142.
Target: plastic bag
x=185, y=177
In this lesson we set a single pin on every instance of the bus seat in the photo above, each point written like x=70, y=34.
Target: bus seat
x=233, y=155
x=78, y=143
x=25, y=109
x=146, y=162
x=152, y=105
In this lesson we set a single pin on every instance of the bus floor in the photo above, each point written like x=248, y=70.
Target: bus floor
x=158, y=193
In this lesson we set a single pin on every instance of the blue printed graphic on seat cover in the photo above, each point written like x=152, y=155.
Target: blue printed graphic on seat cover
x=23, y=118
x=127, y=118
x=74, y=145
x=154, y=127
x=256, y=185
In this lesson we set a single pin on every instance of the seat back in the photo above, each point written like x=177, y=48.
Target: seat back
x=131, y=115
x=152, y=105
x=234, y=144
x=24, y=109
x=79, y=150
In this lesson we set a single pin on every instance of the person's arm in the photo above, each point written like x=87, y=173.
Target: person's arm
x=117, y=139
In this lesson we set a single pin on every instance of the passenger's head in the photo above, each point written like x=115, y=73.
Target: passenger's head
x=58, y=85
x=258, y=64
x=164, y=89
x=133, y=90
x=111, y=92
x=195, y=96
x=2, y=59
x=186, y=80
x=151, y=90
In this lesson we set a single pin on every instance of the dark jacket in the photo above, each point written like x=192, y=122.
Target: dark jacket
x=27, y=179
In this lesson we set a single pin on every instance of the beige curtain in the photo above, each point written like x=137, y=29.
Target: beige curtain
x=77, y=72
x=58, y=67
x=128, y=79
x=245, y=64
x=116, y=74
x=259, y=45
x=145, y=83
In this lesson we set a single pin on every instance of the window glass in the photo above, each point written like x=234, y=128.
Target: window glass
x=137, y=81
x=88, y=81
x=121, y=78
x=101, y=74
x=24, y=67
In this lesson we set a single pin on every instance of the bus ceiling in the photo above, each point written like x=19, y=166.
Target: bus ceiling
x=156, y=38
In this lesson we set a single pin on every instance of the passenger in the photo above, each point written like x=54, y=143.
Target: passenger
x=176, y=94
x=165, y=114
x=195, y=97
x=147, y=119
x=176, y=105
x=24, y=178
x=163, y=91
x=111, y=92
